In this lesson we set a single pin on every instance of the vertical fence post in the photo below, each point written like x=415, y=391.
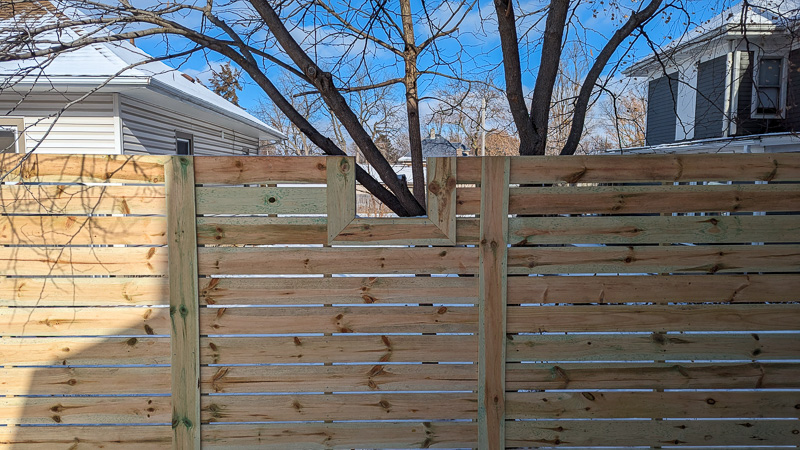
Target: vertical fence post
x=183, y=302
x=492, y=312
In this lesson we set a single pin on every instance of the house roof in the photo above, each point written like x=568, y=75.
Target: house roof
x=89, y=66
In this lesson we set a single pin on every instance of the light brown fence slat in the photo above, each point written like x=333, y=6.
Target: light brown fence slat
x=246, y=261
x=341, y=435
x=250, y=170
x=655, y=346
x=653, y=433
x=83, y=291
x=624, y=405
x=388, y=319
x=653, y=376
x=654, y=318
x=85, y=410
x=119, y=437
x=77, y=230
x=271, y=408
x=71, y=321
x=262, y=230
x=83, y=168
x=79, y=200
x=85, y=351
x=655, y=288
x=654, y=230
x=400, y=231
x=638, y=259
x=341, y=378
x=641, y=199
x=53, y=261
x=367, y=290
x=260, y=200
x=338, y=349
x=84, y=380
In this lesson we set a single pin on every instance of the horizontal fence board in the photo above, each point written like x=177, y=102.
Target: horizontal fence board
x=345, y=290
x=251, y=261
x=56, y=261
x=338, y=349
x=259, y=170
x=272, y=408
x=77, y=437
x=69, y=321
x=642, y=168
x=598, y=318
x=389, y=319
x=262, y=200
x=309, y=436
x=655, y=288
x=402, y=231
x=83, y=291
x=653, y=376
x=655, y=346
x=652, y=433
x=343, y=378
x=33, y=168
x=80, y=200
x=653, y=230
x=84, y=380
x=638, y=259
x=640, y=199
x=77, y=230
x=85, y=410
x=85, y=351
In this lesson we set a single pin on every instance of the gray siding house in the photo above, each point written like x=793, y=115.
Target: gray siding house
x=731, y=84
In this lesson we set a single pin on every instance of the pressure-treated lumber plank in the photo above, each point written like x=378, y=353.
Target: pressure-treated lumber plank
x=271, y=408
x=654, y=318
x=653, y=433
x=244, y=261
x=442, y=195
x=183, y=303
x=624, y=405
x=82, y=230
x=402, y=231
x=310, y=436
x=71, y=321
x=85, y=351
x=262, y=230
x=383, y=319
x=83, y=168
x=341, y=180
x=643, y=168
x=259, y=170
x=661, y=259
x=650, y=230
x=652, y=346
x=340, y=378
x=655, y=288
x=118, y=437
x=261, y=200
x=338, y=349
x=345, y=290
x=84, y=380
x=51, y=261
x=492, y=306
x=645, y=375
x=83, y=291
x=79, y=199
x=84, y=410
x=735, y=198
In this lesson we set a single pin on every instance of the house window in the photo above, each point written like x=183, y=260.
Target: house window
x=769, y=88
x=12, y=138
x=184, y=143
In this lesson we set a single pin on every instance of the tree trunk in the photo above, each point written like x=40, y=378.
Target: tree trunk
x=412, y=101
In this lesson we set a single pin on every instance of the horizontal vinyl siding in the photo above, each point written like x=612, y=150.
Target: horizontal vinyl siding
x=151, y=129
x=85, y=127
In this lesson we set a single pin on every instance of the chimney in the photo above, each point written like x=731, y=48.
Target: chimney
x=433, y=134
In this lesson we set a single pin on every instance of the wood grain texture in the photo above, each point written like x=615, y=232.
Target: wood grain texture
x=78, y=261
x=402, y=231
x=85, y=351
x=118, y=437
x=82, y=230
x=261, y=200
x=83, y=291
x=341, y=194
x=262, y=230
x=32, y=168
x=84, y=380
x=84, y=410
x=80, y=200
x=70, y=321
x=442, y=195
x=259, y=170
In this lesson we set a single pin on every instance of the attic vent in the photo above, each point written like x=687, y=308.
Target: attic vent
x=188, y=77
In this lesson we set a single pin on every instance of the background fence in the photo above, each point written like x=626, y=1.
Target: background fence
x=543, y=302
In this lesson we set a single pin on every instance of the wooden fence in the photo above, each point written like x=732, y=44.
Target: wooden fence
x=238, y=302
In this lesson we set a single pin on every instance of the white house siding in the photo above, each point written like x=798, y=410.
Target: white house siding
x=151, y=129
x=86, y=127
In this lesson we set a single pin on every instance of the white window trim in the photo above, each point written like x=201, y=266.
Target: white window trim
x=18, y=122
x=756, y=63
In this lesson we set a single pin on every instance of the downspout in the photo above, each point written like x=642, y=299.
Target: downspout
x=729, y=81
